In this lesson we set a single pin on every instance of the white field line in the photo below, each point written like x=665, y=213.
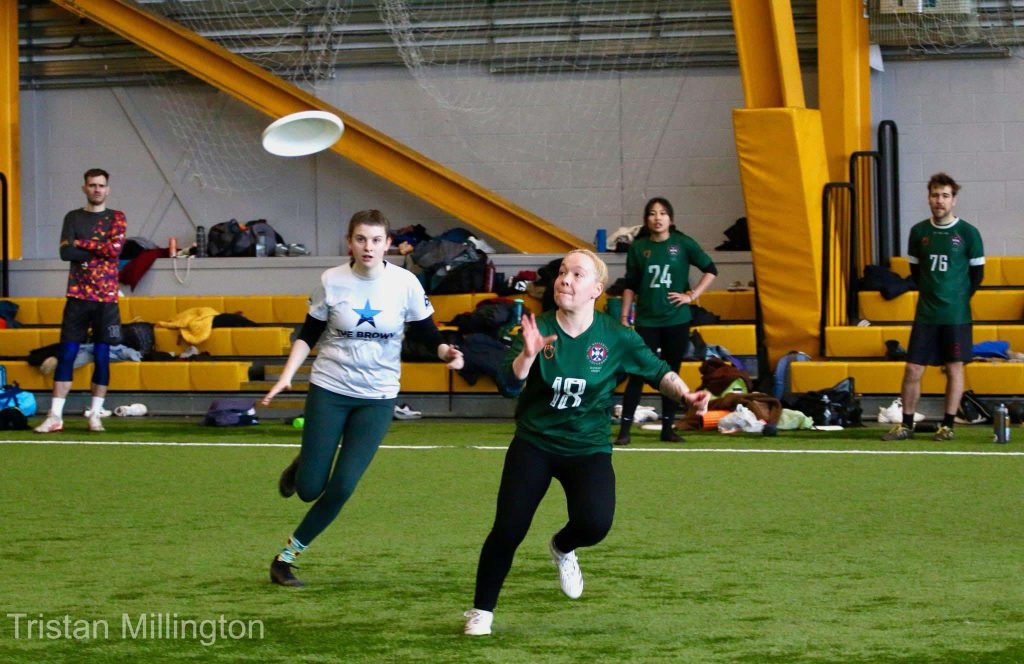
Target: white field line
x=701, y=450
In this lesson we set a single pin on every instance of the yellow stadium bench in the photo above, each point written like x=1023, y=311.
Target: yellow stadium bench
x=998, y=305
x=218, y=376
x=729, y=305
x=290, y=308
x=50, y=310
x=886, y=377
x=260, y=340
x=257, y=308
x=447, y=307
x=424, y=377
x=18, y=342
x=164, y=377
x=1013, y=270
x=28, y=310
x=737, y=339
x=26, y=376
x=150, y=309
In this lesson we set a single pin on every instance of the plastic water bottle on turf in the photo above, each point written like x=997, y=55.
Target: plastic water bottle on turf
x=826, y=410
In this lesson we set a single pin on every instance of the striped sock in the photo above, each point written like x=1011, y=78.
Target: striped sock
x=291, y=551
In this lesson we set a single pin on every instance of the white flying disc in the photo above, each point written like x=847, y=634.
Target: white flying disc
x=302, y=133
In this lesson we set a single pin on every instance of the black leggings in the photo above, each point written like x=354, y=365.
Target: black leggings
x=589, y=484
x=672, y=341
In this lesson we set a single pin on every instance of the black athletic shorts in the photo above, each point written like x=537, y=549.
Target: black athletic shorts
x=103, y=318
x=937, y=345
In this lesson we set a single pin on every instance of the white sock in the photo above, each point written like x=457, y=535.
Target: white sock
x=97, y=405
x=57, y=406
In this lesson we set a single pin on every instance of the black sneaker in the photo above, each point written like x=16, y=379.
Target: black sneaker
x=670, y=436
x=281, y=574
x=286, y=485
x=623, y=439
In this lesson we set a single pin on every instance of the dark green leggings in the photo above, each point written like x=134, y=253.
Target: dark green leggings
x=359, y=425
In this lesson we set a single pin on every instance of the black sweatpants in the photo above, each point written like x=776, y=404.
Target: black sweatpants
x=672, y=341
x=589, y=484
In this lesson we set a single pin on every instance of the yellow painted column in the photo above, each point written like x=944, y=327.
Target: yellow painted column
x=766, y=44
x=9, y=122
x=844, y=88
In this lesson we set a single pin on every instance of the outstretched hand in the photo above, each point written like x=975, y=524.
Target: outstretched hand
x=533, y=340
x=278, y=387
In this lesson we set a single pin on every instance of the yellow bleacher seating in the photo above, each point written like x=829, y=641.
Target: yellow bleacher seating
x=144, y=376
x=870, y=341
x=729, y=305
x=991, y=305
x=886, y=377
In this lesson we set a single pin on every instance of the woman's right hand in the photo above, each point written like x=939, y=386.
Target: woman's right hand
x=278, y=387
x=533, y=340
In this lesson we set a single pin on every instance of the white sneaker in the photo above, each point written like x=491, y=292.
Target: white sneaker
x=133, y=410
x=95, y=423
x=52, y=424
x=569, y=575
x=478, y=623
x=102, y=411
x=893, y=414
x=405, y=412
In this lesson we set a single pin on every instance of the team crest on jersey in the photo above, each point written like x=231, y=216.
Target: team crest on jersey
x=956, y=240
x=597, y=353
x=673, y=250
x=647, y=253
x=549, y=351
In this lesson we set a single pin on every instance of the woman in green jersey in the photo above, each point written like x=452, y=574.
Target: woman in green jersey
x=658, y=280
x=563, y=365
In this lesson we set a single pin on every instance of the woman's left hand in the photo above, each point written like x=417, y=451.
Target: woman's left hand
x=451, y=355
x=680, y=299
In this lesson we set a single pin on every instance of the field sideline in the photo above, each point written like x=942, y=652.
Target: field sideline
x=802, y=548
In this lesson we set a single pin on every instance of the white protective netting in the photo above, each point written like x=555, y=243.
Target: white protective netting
x=947, y=27
x=468, y=58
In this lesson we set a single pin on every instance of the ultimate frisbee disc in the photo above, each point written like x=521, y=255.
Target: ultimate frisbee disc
x=302, y=133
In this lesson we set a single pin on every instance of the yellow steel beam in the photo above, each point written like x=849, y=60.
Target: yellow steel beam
x=844, y=87
x=9, y=122
x=361, y=143
x=766, y=44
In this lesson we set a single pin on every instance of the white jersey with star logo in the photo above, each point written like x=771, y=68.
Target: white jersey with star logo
x=360, y=351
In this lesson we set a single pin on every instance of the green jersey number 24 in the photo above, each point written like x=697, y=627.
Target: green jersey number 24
x=660, y=276
x=568, y=392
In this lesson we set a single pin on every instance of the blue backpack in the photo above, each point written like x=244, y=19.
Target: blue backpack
x=12, y=396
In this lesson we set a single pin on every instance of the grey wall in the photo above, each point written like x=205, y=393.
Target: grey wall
x=966, y=118
x=583, y=151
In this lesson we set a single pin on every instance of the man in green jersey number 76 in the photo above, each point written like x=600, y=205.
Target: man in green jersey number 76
x=947, y=262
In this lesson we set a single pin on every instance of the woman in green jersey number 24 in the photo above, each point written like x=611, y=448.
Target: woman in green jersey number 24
x=564, y=365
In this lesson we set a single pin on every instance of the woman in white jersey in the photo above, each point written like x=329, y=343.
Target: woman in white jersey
x=358, y=315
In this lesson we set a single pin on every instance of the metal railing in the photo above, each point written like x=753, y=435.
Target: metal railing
x=839, y=249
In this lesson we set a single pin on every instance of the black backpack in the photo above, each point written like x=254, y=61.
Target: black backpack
x=231, y=412
x=840, y=402
x=229, y=238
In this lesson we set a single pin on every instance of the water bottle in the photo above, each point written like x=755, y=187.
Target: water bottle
x=261, y=245
x=1001, y=424
x=489, y=277
x=601, y=240
x=517, y=311
x=200, y=242
x=826, y=410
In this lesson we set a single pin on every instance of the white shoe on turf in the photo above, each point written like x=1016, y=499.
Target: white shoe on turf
x=478, y=622
x=102, y=411
x=95, y=423
x=570, y=577
x=52, y=424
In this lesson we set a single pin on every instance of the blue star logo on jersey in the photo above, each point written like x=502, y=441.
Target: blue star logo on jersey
x=366, y=314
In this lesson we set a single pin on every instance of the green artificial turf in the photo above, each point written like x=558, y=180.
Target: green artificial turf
x=714, y=556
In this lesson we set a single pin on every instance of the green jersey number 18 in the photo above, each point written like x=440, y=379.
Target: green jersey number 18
x=566, y=390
